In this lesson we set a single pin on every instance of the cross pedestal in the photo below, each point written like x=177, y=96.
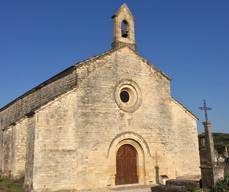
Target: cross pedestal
x=207, y=159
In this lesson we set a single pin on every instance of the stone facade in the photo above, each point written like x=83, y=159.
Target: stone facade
x=69, y=140
x=185, y=131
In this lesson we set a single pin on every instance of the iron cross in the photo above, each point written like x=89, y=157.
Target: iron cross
x=205, y=109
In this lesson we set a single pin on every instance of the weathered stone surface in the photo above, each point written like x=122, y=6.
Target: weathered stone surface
x=226, y=169
x=77, y=133
x=177, y=185
x=29, y=164
x=184, y=135
x=123, y=14
x=64, y=135
x=219, y=171
x=6, y=156
x=168, y=189
x=19, y=149
x=209, y=170
x=182, y=182
x=13, y=150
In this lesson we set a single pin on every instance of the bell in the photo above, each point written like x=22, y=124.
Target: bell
x=125, y=32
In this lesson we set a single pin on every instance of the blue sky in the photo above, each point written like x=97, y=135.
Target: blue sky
x=187, y=39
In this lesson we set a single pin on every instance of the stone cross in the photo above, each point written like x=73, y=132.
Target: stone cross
x=205, y=109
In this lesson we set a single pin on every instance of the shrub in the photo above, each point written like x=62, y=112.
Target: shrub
x=8, y=185
x=222, y=185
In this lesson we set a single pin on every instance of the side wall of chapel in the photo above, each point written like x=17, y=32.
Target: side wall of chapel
x=13, y=140
x=186, y=142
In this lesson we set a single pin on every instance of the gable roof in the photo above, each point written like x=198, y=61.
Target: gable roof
x=54, y=78
x=123, y=6
x=42, y=94
x=184, y=108
x=50, y=89
x=71, y=68
x=152, y=65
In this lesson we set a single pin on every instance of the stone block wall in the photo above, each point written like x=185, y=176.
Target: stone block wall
x=73, y=137
x=29, y=160
x=13, y=129
x=226, y=169
x=14, y=150
x=20, y=144
x=219, y=171
x=185, y=139
x=55, y=154
x=118, y=41
x=7, y=152
x=77, y=134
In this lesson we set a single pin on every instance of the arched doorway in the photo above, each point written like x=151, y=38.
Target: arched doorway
x=126, y=165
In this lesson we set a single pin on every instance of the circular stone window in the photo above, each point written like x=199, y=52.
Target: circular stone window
x=128, y=95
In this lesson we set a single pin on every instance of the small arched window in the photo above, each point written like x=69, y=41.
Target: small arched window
x=125, y=28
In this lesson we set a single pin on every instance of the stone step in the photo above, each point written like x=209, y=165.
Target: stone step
x=168, y=189
x=137, y=188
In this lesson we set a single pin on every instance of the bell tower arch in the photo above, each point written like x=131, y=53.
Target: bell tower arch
x=123, y=28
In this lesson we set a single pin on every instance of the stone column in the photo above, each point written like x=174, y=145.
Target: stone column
x=207, y=159
x=29, y=162
x=226, y=152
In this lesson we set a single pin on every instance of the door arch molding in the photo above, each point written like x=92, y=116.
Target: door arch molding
x=142, y=150
x=129, y=135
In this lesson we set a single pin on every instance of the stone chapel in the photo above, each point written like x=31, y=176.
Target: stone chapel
x=104, y=122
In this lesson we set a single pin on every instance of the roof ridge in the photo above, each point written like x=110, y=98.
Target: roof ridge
x=76, y=65
x=55, y=77
x=64, y=81
x=178, y=102
x=151, y=64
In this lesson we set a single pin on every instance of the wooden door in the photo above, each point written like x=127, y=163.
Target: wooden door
x=126, y=165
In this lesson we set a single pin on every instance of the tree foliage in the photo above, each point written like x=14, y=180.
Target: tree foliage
x=221, y=140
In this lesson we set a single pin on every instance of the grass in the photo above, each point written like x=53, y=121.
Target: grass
x=222, y=185
x=7, y=185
